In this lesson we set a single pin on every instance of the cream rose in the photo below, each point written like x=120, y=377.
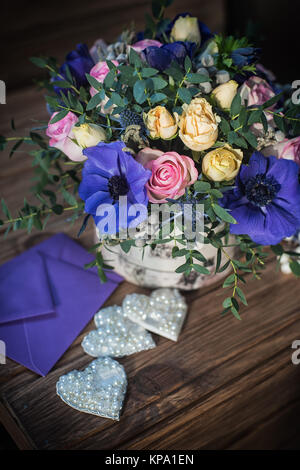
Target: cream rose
x=160, y=123
x=224, y=94
x=89, y=135
x=198, y=128
x=222, y=164
x=186, y=28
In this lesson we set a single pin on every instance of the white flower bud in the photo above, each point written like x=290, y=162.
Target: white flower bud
x=222, y=76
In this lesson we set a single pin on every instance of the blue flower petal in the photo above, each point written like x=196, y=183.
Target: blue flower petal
x=94, y=201
x=158, y=58
x=257, y=165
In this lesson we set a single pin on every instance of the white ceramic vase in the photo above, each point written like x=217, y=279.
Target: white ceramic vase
x=156, y=268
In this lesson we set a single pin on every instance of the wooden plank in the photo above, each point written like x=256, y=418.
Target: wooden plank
x=167, y=380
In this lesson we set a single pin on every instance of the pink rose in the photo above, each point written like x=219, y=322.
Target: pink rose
x=99, y=72
x=61, y=135
x=288, y=149
x=141, y=45
x=257, y=91
x=171, y=174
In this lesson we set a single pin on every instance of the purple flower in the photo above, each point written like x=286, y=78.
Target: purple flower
x=79, y=62
x=266, y=200
x=245, y=56
x=109, y=173
x=161, y=57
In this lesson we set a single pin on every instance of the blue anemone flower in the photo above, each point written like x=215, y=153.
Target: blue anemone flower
x=109, y=173
x=266, y=200
x=245, y=56
x=160, y=58
x=79, y=62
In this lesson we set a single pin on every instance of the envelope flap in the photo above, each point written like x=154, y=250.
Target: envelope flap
x=24, y=288
x=78, y=294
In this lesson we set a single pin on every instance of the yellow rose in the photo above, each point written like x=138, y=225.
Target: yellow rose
x=88, y=135
x=225, y=93
x=222, y=164
x=198, y=128
x=186, y=28
x=160, y=123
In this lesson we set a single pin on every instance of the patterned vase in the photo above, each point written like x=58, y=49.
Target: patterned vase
x=156, y=268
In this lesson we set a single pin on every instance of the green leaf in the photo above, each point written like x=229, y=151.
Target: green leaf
x=272, y=101
x=216, y=193
x=5, y=209
x=202, y=186
x=225, y=127
x=236, y=105
x=184, y=95
x=295, y=268
x=157, y=97
x=279, y=121
x=134, y=58
x=175, y=72
x=68, y=197
x=227, y=302
x=224, y=267
x=109, y=79
x=58, y=209
x=200, y=269
x=61, y=83
x=197, y=78
x=187, y=63
x=277, y=249
x=38, y=139
x=255, y=116
x=229, y=281
x=159, y=83
x=199, y=256
x=235, y=312
x=94, y=82
x=94, y=101
x=149, y=72
x=38, y=61
x=59, y=116
x=102, y=275
x=241, y=295
x=250, y=137
x=183, y=268
x=139, y=91
x=84, y=225
x=15, y=147
x=176, y=253
x=126, y=245
x=2, y=142
x=223, y=214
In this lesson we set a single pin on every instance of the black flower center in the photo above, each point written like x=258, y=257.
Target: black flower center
x=261, y=189
x=117, y=186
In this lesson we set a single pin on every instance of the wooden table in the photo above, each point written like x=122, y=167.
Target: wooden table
x=224, y=385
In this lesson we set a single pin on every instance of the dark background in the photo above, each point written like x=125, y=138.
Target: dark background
x=30, y=28
x=55, y=27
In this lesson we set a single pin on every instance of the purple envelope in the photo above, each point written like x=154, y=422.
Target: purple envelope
x=46, y=299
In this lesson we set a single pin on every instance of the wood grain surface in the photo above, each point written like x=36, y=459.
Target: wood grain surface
x=224, y=385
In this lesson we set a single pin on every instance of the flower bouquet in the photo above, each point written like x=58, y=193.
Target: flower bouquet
x=174, y=137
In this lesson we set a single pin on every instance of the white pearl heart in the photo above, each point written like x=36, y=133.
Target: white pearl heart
x=116, y=335
x=162, y=313
x=99, y=389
